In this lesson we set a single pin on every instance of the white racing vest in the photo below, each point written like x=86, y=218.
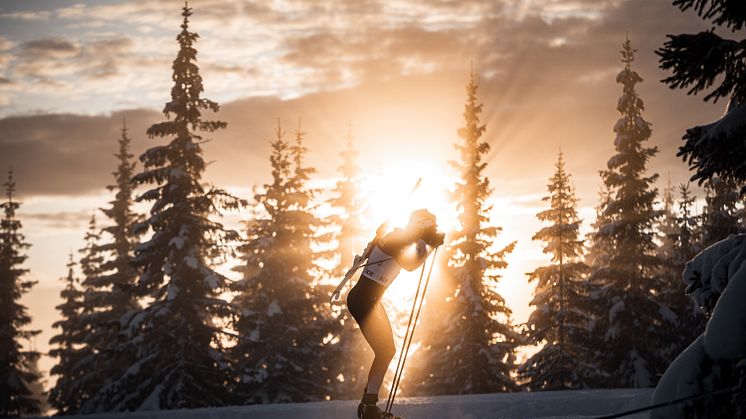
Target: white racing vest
x=383, y=268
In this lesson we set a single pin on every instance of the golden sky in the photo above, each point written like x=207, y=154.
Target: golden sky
x=70, y=71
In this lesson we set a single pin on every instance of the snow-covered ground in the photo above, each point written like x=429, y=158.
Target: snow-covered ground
x=550, y=404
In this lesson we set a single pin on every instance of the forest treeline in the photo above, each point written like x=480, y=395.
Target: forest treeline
x=148, y=322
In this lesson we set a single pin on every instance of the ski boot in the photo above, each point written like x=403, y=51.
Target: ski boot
x=368, y=409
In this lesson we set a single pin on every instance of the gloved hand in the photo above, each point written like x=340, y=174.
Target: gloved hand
x=434, y=238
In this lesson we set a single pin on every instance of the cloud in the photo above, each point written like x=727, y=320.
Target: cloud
x=36, y=15
x=397, y=73
x=59, y=219
x=65, y=154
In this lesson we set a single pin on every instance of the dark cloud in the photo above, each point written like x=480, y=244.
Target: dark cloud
x=61, y=219
x=47, y=60
x=42, y=48
x=66, y=154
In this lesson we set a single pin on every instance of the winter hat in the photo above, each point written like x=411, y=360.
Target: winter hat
x=422, y=218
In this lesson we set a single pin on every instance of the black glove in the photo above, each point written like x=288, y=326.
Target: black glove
x=434, y=238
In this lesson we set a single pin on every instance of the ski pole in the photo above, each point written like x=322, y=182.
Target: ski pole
x=408, y=339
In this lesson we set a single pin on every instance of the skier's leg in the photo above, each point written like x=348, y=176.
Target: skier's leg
x=377, y=331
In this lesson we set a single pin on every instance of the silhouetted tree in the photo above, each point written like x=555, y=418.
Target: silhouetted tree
x=720, y=216
x=66, y=396
x=691, y=319
x=180, y=360
x=349, y=208
x=474, y=350
x=628, y=314
x=284, y=314
x=17, y=376
x=560, y=319
x=698, y=62
x=110, y=291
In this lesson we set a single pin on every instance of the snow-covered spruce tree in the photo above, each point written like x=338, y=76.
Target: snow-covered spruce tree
x=679, y=245
x=667, y=225
x=599, y=247
x=720, y=216
x=474, y=349
x=16, y=373
x=349, y=209
x=110, y=292
x=629, y=316
x=560, y=318
x=67, y=395
x=347, y=201
x=716, y=277
x=179, y=356
x=284, y=314
x=697, y=63
x=80, y=378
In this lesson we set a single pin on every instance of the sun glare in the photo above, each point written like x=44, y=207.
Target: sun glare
x=389, y=199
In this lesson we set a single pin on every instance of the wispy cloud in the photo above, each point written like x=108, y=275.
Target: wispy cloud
x=42, y=15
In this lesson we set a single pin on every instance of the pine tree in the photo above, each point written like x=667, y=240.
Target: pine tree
x=628, y=280
x=720, y=216
x=349, y=207
x=691, y=319
x=110, y=289
x=474, y=350
x=599, y=247
x=349, y=210
x=560, y=319
x=284, y=312
x=698, y=62
x=668, y=225
x=17, y=376
x=180, y=360
x=66, y=396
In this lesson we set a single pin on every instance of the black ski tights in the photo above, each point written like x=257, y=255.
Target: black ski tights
x=364, y=303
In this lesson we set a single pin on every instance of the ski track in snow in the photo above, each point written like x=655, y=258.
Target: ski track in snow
x=549, y=404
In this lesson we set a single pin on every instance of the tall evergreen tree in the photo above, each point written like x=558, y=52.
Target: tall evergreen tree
x=349, y=209
x=668, y=225
x=16, y=365
x=284, y=311
x=80, y=378
x=560, y=319
x=599, y=247
x=474, y=351
x=66, y=396
x=691, y=320
x=703, y=61
x=111, y=288
x=629, y=278
x=179, y=356
x=720, y=216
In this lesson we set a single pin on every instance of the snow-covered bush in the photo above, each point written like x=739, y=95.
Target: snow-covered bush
x=716, y=280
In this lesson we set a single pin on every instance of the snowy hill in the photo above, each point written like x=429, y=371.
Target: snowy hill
x=550, y=404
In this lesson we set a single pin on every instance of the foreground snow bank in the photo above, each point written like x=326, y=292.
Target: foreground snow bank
x=716, y=280
x=550, y=404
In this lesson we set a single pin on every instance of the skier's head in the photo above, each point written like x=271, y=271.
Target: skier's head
x=422, y=219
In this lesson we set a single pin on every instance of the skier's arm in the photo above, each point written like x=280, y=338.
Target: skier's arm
x=414, y=256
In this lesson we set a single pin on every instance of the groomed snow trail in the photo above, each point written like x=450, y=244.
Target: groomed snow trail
x=550, y=404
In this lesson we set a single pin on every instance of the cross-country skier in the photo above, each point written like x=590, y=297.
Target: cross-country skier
x=402, y=248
